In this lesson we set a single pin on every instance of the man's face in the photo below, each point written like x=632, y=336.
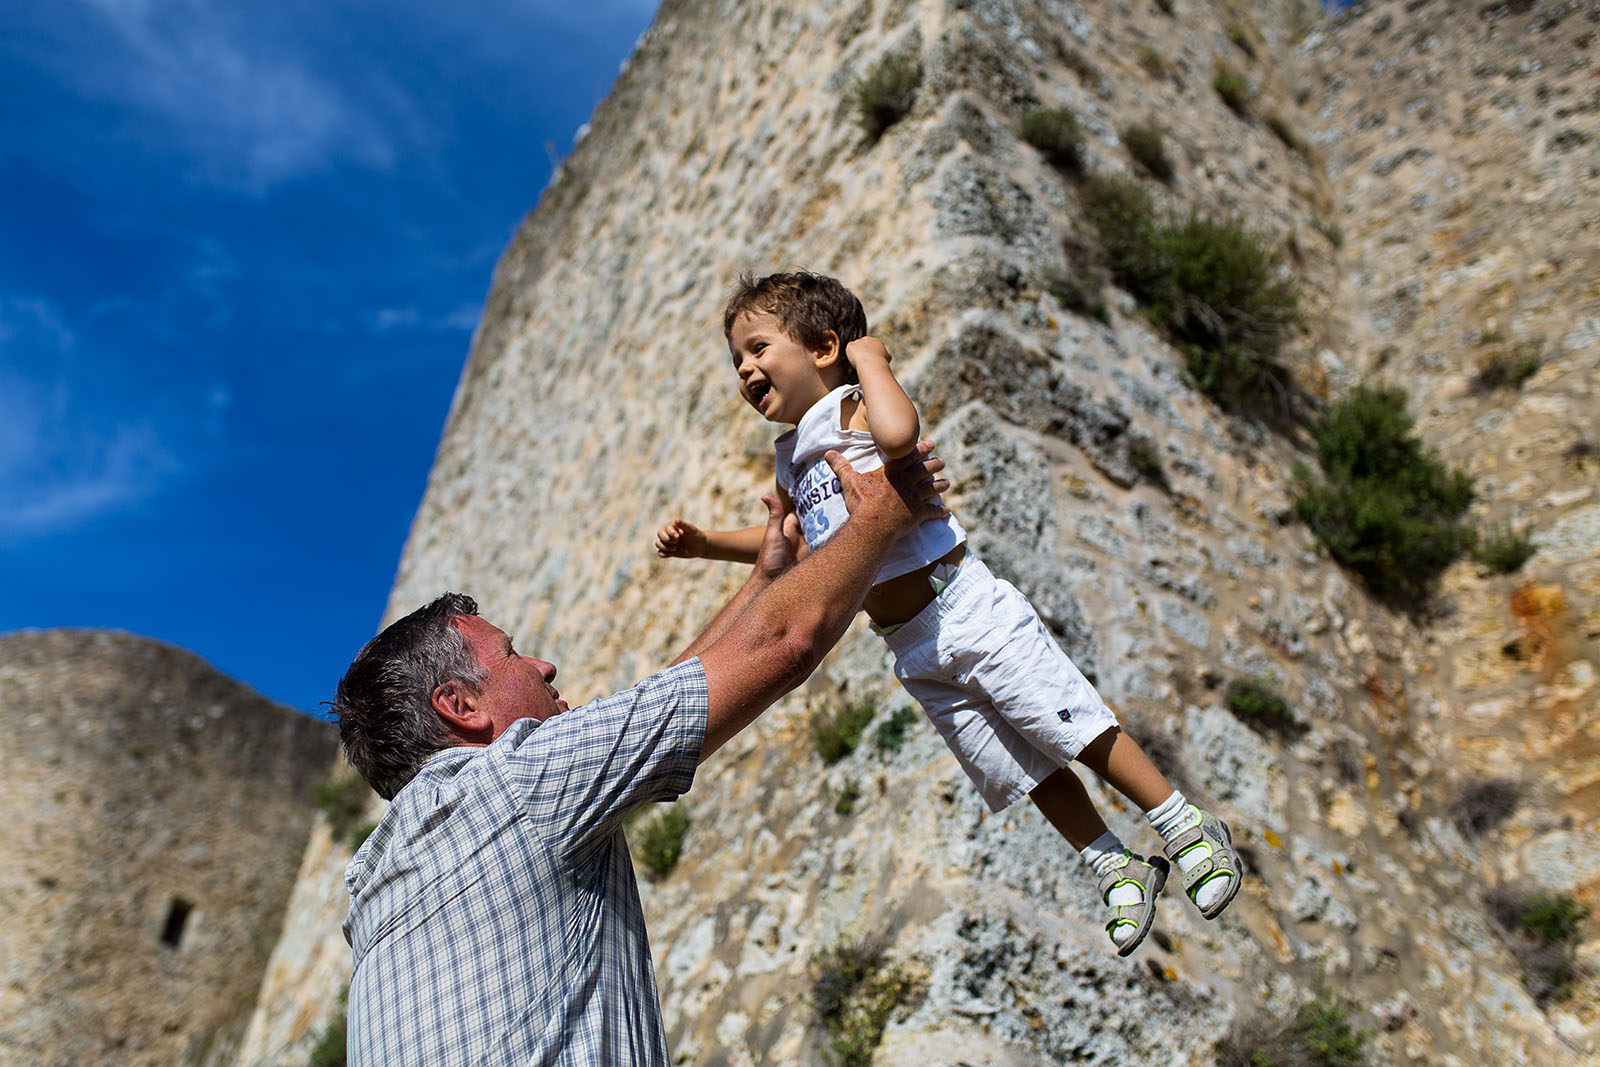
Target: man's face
x=518, y=687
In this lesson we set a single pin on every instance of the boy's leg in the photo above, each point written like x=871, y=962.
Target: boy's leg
x=1128, y=883
x=1122, y=764
x=1198, y=842
x=1062, y=799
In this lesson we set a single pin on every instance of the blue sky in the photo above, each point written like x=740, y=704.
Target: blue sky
x=242, y=250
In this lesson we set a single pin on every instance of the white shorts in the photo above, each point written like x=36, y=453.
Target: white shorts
x=1010, y=704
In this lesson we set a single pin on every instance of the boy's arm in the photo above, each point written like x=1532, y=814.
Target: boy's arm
x=688, y=541
x=892, y=417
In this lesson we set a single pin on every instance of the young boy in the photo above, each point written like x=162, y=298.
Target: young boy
x=1007, y=701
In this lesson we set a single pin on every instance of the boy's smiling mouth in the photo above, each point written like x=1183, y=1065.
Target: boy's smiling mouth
x=757, y=392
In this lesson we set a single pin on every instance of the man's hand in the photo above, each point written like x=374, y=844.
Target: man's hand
x=781, y=546
x=682, y=539
x=901, y=494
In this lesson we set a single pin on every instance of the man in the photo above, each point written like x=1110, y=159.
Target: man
x=494, y=917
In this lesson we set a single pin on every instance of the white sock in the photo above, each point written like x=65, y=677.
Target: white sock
x=1105, y=854
x=1169, y=819
x=1166, y=816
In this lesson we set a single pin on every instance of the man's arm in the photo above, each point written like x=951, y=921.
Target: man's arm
x=776, y=552
x=774, y=635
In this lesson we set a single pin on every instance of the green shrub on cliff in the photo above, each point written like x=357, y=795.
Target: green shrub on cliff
x=886, y=94
x=343, y=798
x=836, y=733
x=1145, y=144
x=1055, y=133
x=1542, y=931
x=329, y=1051
x=1319, y=1035
x=1386, y=506
x=660, y=842
x=1234, y=88
x=1208, y=283
x=855, y=991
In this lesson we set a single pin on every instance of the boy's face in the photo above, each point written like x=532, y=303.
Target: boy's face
x=778, y=376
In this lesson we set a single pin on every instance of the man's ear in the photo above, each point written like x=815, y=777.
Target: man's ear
x=829, y=353
x=458, y=707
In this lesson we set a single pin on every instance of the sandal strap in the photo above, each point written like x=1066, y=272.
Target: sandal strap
x=1203, y=870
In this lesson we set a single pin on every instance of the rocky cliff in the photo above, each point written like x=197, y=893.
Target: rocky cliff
x=1426, y=171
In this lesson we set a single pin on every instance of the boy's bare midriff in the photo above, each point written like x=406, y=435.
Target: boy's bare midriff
x=901, y=598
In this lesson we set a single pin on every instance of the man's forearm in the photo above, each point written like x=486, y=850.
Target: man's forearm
x=725, y=618
x=781, y=634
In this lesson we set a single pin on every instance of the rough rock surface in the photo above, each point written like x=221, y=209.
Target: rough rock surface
x=155, y=814
x=1436, y=204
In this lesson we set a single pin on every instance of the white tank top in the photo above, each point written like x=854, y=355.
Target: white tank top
x=817, y=495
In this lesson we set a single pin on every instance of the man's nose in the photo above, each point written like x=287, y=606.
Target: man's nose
x=547, y=670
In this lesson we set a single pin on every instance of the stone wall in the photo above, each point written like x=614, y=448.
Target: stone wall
x=155, y=812
x=598, y=403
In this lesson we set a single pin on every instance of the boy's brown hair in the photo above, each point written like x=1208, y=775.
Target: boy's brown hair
x=806, y=306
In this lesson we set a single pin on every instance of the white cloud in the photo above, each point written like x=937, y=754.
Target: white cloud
x=464, y=317
x=57, y=468
x=250, y=119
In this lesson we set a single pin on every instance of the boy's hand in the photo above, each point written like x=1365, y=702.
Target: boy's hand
x=682, y=539
x=865, y=348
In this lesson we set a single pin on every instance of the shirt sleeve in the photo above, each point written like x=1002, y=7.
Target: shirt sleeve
x=581, y=772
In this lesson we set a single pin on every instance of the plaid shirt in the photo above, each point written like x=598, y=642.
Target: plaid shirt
x=494, y=917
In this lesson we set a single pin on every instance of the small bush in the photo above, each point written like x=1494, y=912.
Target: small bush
x=329, y=1051
x=1145, y=146
x=1542, y=934
x=1285, y=133
x=1332, y=231
x=1055, y=133
x=855, y=992
x=1387, y=507
x=1208, y=283
x=835, y=734
x=1319, y=1035
x=1240, y=38
x=1234, y=88
x=886, y=94
x=1152, y=62
x=1145, y=459
x=1504, y=549
x=891, y=733
x=661, y=841
x=1483, y=805
x=1256, y=704
x=1227, y=308
x=1509, y=369
x=845, y=801
x=1124, y=215
x=1081, y=296
x=1552, y=918
x=343, y=797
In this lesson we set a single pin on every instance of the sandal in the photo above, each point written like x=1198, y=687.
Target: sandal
x=1221, y=860
x=1149, y=876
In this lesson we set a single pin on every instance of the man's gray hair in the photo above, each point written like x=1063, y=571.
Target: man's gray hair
x=384, y=703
